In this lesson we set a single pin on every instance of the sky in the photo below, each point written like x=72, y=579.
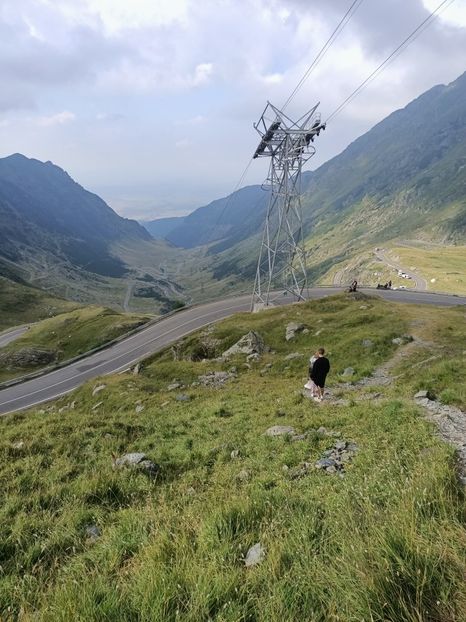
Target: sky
x=150, y=103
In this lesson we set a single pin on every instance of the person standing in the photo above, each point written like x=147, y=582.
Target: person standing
x=319, y=373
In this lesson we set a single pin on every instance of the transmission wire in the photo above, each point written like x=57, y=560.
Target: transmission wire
x=344, y=20
x=396, y=52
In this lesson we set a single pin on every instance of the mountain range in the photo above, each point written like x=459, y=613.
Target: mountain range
x=405, y=178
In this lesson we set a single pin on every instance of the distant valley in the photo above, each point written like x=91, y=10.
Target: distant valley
x=400, y=186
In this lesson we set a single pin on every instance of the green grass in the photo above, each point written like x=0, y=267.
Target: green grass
x=70, y=334
x=445, y=264
x=21, y=304
x=385, y=543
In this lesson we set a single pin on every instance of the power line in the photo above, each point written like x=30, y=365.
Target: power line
x=396, y=52
x=344, y=20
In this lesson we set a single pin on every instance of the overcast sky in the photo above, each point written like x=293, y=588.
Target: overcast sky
x=150, y=103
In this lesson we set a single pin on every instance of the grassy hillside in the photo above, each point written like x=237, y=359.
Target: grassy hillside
x=21, y=304
x=65, y=336
x=84, y=540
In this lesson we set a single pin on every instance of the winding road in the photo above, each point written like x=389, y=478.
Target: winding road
x=420, y=283
x=10, y=335
x=153, y=338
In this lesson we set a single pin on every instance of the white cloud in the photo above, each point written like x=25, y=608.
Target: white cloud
x=61, y=118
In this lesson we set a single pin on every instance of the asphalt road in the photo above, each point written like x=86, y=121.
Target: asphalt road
x=157, y=336
x=421, y=284
x=9, y=336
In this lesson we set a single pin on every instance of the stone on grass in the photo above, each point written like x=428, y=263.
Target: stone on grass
x=18, y=445
x=293, y=356
x=253, y=358
x=367, y=343
x=280, y=430
x=292, y=328
x=255, y=555
x=397, y=341
x=424, y=395
x=139, y=461
x=139, y=408
x=335, y=459
x=243, y=476
x=349, y=371
x=234, y=454
x=137, y=369
x=216, y=378
x=174, y=385
x=182, y=397
x=93, y=532
x=251, y=343
x=98, y=389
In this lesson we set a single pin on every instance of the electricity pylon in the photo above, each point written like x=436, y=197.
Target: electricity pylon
x=282, y=256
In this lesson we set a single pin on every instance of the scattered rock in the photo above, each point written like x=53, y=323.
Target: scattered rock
x=333, y=460
x=243, y=476
x=93, y=532
x=18, y=445
x=216, y=378
x=251, y=343
x=322, y=431
x=182, y=397
x=298, y=437
x=398, y=341
x=422, y=395
x=27, y=357
x=349, y=371
x=306, y=331
x=139, y=408
x=174, y=385
x=293, y=356
x=253, y=358
x=190, y=491
x=318, y=332
x=300, y=471
x=137, y=369
x=280, y=430
x=98, y=389
x=292, y=329
x=139, y=461
x=255, y=555
x=234, y=454
x=367, y=343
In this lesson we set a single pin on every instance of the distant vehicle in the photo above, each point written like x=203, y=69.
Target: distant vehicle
x=402, y=287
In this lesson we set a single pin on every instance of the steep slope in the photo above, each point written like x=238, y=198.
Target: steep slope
x=42, y=208
x=56, y=234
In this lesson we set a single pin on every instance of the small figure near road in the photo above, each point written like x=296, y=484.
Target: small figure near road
x=354, y=286
x=389, y=284
x=319, y=372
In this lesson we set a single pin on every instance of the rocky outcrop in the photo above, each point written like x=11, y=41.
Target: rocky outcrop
x=27, y=357
x=251, y=343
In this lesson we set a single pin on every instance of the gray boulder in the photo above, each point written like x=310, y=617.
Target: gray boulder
x=255, y=555
x=367, y=343
x=349, y=371
x=137, y=460
x=280, y=430
x=251, y=343
x=292, y=329
x=293, y=356
x=215, y=378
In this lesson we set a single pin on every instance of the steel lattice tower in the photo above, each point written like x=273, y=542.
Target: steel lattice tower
x=282, y=256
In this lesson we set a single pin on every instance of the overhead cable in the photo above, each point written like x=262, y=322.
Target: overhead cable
x=396, y=52
x=344, y=20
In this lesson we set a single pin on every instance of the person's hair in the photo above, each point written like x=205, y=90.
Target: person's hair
x=321, y=351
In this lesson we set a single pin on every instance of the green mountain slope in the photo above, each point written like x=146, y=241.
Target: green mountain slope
x=57, y=235
x=405, y=177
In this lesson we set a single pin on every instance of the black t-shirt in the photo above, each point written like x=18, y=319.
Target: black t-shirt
x=320, y=370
